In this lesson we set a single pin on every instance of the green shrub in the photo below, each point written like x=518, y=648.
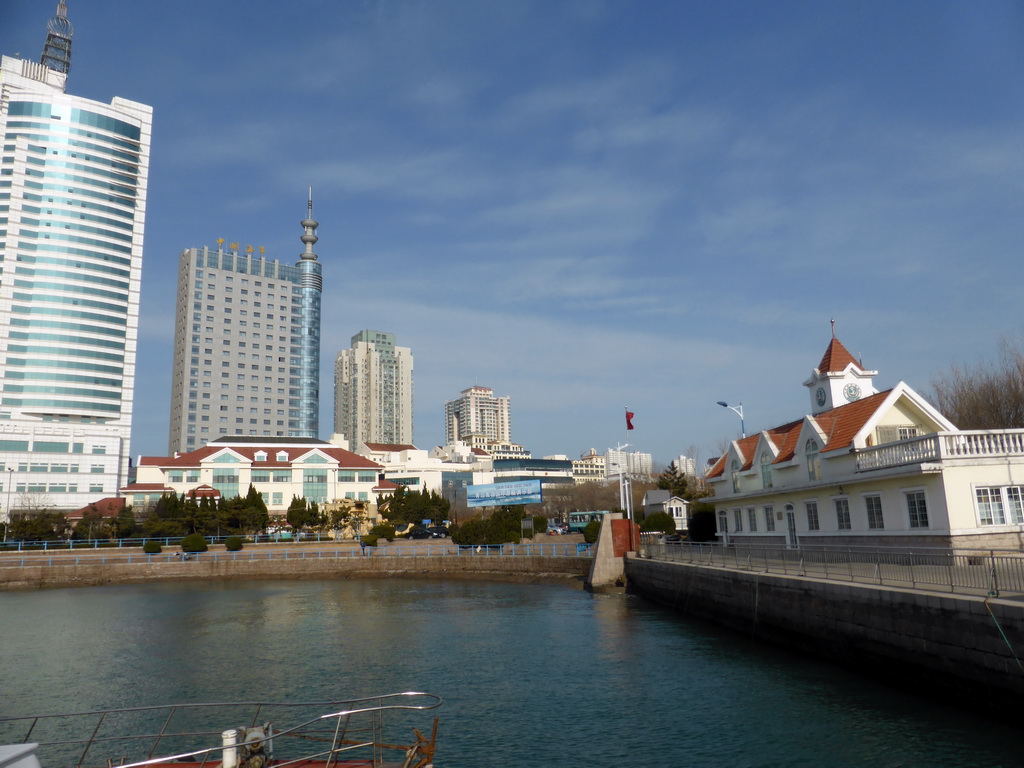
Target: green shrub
x=194, y=542
x=369, y=539
x=383, y=531
x=540, y=524
x=591, y=531
x=659, y=521
x=152, y=547
x=233, y=543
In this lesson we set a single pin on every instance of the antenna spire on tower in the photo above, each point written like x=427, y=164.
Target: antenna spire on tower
x=310, y=224
x=57, y=48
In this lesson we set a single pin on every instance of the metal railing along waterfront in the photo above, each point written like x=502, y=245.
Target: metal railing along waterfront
x=296, y=552
x=977, y=572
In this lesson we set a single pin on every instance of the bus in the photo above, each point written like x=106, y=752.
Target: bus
x=578, y=520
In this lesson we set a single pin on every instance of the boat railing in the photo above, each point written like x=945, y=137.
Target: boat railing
x=246, y=736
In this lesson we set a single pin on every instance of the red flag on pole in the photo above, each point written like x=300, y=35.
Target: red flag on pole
x=629, y=419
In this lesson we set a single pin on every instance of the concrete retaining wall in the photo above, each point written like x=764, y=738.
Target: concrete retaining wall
x=525, y=569
x=948, y=642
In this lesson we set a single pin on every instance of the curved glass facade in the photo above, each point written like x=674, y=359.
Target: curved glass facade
x=70, y=271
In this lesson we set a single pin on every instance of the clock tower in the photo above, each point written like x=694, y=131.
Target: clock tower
x=839, y=379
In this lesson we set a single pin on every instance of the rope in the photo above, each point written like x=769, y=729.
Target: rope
x=1005, y=638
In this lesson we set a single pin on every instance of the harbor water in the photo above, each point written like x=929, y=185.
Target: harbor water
x=532, y=675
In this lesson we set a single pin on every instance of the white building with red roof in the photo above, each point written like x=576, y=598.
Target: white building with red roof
x=868, y=467
x=278, y=467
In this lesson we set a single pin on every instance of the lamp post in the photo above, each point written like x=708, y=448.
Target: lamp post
x=738, y=409
x=7, y=510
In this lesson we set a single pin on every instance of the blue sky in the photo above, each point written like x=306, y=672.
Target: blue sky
x=587, y=205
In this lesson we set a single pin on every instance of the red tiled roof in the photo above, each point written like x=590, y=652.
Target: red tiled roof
x=108, y=507
x=836, y=358
x=385, y=485
x=393, y=447
x=345, y=459
x=842, y=423
x=140, y=487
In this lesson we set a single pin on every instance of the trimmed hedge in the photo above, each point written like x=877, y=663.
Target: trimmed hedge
x=152, y=547
x=194, y=542
x=233, y=543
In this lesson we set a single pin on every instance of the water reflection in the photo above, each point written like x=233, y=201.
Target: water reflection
x=531, y=674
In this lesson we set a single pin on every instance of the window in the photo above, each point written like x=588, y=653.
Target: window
x=994, y=504
x=737, y=519
x=990, y=506
x=843, y=514
x=752, y=519
x=874, y=508
x=813, y=461
x=735, y=467
x=769, y=518
x=917, y=509
x=811, y=507
x=766, y=469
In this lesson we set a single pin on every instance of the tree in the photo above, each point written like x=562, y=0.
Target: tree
x=674, y=481
x=406, y=506
x=123, y=526
x=990, y=396
x=659, y=521
x=163, y=519
x=298, y=514
x=40, y=526
x=701, y=526
x=91, y=526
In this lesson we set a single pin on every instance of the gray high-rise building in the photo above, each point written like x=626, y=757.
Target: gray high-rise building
x=73, y=180
x=373, y=391
x=247, y=345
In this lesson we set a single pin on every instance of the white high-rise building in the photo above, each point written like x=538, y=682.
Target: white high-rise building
x=373, y=391
x=73, y=177
x=477, y=412
x=633, y=464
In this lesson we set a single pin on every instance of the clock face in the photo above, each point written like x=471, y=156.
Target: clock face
x=851, y=392
x=820, y=396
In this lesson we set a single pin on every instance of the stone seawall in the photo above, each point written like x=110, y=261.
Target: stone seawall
x=952, y=643
x=521, y=568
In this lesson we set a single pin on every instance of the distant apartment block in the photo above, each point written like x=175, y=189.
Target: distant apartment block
x=373, y=400
x=590, y=467
x=475, y=414
x=635, y=464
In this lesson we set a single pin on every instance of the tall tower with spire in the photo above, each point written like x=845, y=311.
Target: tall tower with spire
x=311, y=285
x=72, y=213
x=246, y=344
x=57, y=49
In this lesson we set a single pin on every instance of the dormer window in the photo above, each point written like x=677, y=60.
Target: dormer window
x=261, y=456
x=766, y=469
x=813, y=460
x=282, y=455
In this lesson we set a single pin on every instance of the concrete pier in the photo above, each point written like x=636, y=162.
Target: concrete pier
x=963, y=645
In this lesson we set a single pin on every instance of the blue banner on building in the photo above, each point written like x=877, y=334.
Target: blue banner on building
x=496, y=494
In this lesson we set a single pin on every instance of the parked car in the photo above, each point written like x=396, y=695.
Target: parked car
x=438, y=531
x=419, y=533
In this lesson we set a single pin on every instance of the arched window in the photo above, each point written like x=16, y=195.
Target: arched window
x=813, y=461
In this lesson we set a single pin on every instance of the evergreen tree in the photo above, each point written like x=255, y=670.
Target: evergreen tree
x=674, y=481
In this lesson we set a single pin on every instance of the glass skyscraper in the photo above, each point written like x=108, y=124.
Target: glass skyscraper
x=73, y=177
x=246, y=345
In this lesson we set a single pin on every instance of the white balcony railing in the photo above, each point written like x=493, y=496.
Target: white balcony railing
x=978, y=444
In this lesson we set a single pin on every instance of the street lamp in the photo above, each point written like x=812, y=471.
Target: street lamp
x=738, y=409
x=7, y=511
